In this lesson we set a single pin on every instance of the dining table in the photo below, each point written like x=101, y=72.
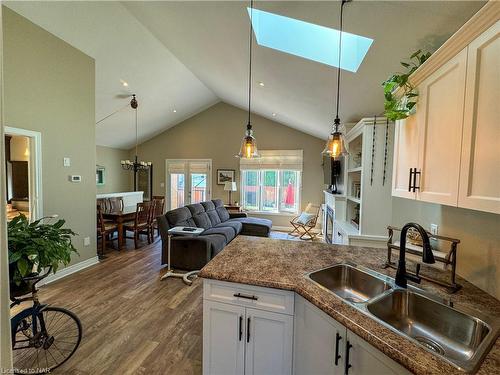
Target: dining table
x=120, y=216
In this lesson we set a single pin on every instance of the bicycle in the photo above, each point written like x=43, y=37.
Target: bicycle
x=43, y=337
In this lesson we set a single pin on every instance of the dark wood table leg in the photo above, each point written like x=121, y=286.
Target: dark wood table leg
x=119, y=222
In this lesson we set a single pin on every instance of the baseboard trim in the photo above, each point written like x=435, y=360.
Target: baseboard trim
x=281, y=228
x=70, y=270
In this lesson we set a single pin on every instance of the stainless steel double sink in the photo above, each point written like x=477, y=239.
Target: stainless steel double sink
x=461, y=338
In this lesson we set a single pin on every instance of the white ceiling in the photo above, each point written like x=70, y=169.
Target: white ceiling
x=188, y=55
x=123, y=49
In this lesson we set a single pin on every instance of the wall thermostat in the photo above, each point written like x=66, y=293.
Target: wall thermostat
x=75, y=178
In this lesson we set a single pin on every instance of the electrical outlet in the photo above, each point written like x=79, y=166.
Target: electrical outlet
x=86, y=241
x=434, y=229
x=162, y=184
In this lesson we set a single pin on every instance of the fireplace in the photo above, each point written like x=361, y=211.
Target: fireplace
x=330, y=216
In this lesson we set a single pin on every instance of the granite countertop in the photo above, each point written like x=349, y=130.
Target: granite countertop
x=282, y=264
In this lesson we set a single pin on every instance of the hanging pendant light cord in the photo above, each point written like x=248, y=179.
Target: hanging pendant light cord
x=249, y=125
x=337, y=120
x=136, y=134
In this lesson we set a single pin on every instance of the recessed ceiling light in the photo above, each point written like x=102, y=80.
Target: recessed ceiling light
x=124, y=83
x=174, y=110
x=261, y=84
x=274, y=114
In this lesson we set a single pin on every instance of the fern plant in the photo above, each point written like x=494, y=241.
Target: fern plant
x=37, y=245
x=400, y=105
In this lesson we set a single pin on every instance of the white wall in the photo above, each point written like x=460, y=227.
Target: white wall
x=478, y=258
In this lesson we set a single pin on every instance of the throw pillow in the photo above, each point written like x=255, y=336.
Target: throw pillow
x=305, y=218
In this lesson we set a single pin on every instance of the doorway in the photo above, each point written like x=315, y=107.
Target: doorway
x=187, y=181
x=23, y=178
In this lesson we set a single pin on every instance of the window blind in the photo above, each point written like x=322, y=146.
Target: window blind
x=176, y=167
x=199, y=167
x=275, y=159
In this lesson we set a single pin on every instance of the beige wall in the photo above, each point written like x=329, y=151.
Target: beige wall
x=216, y=134
x=116, y=178
x=5, y=351
x=479, y=232
x=49, y=87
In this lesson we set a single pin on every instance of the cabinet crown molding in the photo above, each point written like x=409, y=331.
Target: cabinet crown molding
x=487, y=16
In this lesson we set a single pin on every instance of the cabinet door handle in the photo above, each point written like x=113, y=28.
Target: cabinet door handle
x=348, y=347
x=415, y=173
x=409, y=179
x=241, y=328
x=337, y=342
x=239, y=295
x=248, y=329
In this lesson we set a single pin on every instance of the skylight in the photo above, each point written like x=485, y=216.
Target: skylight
x=310, y=41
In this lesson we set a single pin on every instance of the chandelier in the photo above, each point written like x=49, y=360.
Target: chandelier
x=136, y=165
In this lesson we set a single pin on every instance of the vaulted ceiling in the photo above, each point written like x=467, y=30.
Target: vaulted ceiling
x=186, y=56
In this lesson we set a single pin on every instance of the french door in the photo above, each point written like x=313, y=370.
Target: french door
x=188, y=181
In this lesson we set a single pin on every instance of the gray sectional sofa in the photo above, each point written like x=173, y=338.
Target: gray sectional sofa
x=221, y=227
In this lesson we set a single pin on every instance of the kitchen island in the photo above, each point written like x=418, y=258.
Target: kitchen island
x=283, y=265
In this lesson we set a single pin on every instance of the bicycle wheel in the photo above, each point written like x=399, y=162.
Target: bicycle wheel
x=57, y=336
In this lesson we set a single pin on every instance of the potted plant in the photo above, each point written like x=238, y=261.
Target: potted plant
x=400, y=95
x=35, y=246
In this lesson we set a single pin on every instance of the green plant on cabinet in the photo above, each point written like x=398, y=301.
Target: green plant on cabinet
x=398, y=105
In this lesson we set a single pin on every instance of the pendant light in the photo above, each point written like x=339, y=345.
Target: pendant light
x=335, y=145
x=248, y=149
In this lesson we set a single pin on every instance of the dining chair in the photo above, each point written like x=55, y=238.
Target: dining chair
x=159, y=206
x=306, y=222
x=141, y=223
x=103, y=202
x=105, y=231
x=115, y=204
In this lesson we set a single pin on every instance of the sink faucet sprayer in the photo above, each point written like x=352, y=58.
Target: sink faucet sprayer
x=427, y=256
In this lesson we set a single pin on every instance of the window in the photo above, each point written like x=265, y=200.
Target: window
x=270, y=190
x=198, y=187
x=308, y=40
x=250, y=189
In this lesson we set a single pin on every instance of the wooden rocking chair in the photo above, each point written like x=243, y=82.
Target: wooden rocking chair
x=304, y=230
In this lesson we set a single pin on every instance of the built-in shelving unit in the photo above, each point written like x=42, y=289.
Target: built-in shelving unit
x=355, y=200
x=362, y=217
x=355, y=170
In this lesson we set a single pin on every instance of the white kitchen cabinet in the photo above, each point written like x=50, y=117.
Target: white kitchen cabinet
x=440, y=120
x=325, y=347
x=249, y=332
x=479, y=173
x=405, y=156
x=319, y=341
x=448, y=151
x=428, y=143
x=223, y=338
x=364, y=359
x=269, y=341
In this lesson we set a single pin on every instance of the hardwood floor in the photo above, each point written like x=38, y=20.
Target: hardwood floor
x=133, y=323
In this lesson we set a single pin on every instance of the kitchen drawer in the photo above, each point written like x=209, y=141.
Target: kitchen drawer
x=268, y=299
